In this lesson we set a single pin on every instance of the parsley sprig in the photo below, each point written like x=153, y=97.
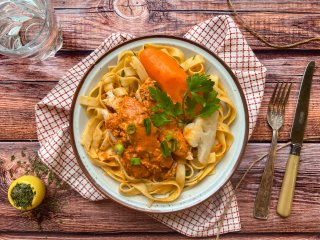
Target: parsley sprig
x=199, y=100
x=165, y=110
x=200, y=93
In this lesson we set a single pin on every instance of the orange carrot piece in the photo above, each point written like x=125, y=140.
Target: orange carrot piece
x=166, y=71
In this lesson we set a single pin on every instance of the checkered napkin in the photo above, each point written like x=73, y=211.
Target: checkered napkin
x=220, y=35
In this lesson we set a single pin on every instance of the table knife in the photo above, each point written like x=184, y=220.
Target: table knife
x=297, y=132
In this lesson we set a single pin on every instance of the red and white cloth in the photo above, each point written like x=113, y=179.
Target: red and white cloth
x=219, y=34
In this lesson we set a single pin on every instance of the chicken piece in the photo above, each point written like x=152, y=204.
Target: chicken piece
x=173, y=131
x=144, y=94
x=138, y=144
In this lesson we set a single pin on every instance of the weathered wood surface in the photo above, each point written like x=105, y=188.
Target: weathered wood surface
x=85, y=24
x=149, y=236
x=111, y=217
x=293, y=6
x=19, y=94
x=279, y=22
x=281, y=66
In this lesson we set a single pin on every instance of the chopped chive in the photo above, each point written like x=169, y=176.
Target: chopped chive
x=119, y=148
x=135, y=161
x=131, y=128
x=165, y=149
x=147, y=125
x=169, y=137
x=188, y=172
x=174, y=144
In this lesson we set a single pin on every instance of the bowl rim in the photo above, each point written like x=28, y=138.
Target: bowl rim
x=75, y=97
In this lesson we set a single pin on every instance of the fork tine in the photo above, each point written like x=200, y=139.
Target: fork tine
x=283, y=93
x=277, y=101
x=282, y=97
x=271, y=102
x=287, y=95
x=276, y=104
x=273, y=94
x=285, y=100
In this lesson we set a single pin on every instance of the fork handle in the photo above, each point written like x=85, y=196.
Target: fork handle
x=262, y=202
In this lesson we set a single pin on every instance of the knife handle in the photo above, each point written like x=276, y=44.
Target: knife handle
x=288, y=186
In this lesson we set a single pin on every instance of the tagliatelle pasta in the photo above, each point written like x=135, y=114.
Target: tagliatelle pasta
x=122, y=136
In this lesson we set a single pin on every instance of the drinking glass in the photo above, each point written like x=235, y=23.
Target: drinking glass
x=28, y=29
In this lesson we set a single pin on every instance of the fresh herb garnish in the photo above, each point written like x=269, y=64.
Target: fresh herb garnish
x=160, y=119
x=135, y=161
x=131, y=128
x=169, y=136
x=165, y=109
x=123, y=74
x=22, y=195
x=174, y=144
x=51, y=178
x=37, y=167
x=147, y=125
x=200, y=93
x=165, y=150
x=41, y=170
x=199, y=100
x=13, y=157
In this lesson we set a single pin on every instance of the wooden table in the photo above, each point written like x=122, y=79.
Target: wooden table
x=85, y=24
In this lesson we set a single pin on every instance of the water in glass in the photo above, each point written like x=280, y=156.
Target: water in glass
x=28, y=29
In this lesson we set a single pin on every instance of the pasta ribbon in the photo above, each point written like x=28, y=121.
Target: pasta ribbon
x=127, y=78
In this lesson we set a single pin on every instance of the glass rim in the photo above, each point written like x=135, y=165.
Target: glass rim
x=22, y=48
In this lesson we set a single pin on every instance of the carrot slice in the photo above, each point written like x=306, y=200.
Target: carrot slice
x=166, y=71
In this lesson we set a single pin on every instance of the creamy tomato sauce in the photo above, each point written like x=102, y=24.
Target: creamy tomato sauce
x=141, y=145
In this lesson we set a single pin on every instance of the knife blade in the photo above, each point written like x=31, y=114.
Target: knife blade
x=297, y=133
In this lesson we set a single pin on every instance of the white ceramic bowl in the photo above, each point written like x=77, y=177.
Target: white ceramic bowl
x=207, y=187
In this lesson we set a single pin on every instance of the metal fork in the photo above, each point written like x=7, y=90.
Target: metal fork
x=275, y=116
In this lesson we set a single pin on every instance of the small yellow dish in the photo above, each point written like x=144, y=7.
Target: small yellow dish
x=38, y=187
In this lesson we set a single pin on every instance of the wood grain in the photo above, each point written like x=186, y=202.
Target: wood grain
x=281, y=65
x=18, y=98
x=85, y=24
x=51, y=69
x=296, y=6
x=148, y=236
x=111, y=217
x=95, y=27
x=17, y=103
x=279, y=22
